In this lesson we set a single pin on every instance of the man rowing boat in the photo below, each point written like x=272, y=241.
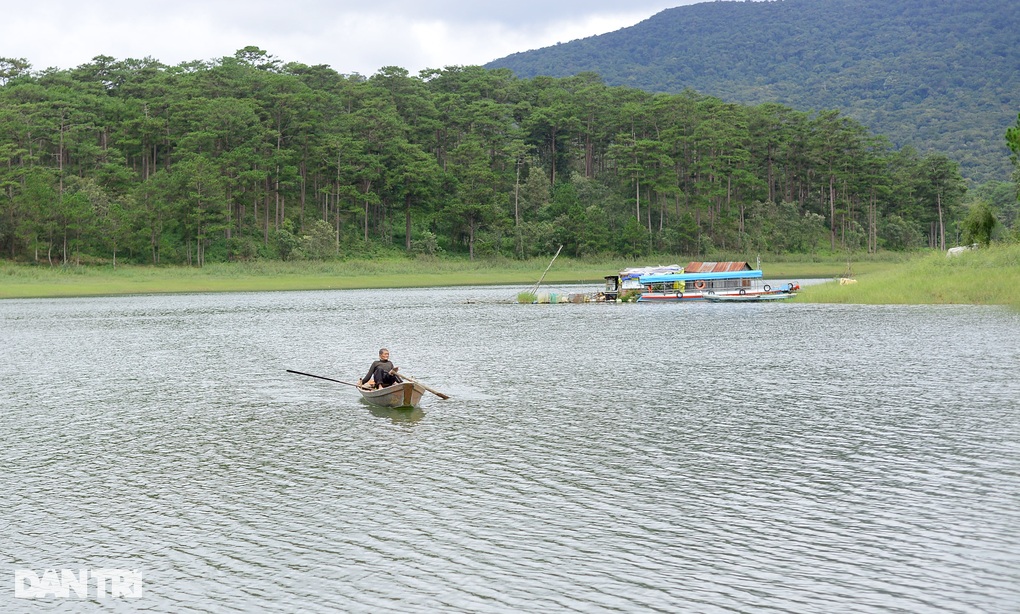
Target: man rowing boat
x=382, y=373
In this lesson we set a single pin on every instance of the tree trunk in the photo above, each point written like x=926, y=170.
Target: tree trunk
x=471, y=239
x=336, y=207
x=407, y=224
x=552, y=160
x=832, y=212
x=771, y=177
x=301, y=213
x=265, y=231
x=517, y=196
x=279, y=206
x=589, y=156
x=648, y=211
x=942, y=226
x=637, y=198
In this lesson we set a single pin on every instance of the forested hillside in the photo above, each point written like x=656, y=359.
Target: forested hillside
x=940, y=75
x=249, y=157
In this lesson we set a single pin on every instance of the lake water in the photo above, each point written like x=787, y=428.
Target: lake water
x=591, y=458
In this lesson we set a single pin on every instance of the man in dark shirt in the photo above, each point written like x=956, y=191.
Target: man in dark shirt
x=382, y=372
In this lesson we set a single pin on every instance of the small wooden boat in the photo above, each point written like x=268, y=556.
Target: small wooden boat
x=749, y=298
x=404, y=394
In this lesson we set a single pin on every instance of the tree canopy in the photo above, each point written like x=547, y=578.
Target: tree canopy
x=249, y=156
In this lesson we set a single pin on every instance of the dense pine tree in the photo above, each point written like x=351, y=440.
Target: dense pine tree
x=250, y=157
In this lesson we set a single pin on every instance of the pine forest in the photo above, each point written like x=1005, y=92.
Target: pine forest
x=250, y=157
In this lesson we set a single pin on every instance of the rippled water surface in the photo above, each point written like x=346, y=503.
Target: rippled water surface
x=591, y=458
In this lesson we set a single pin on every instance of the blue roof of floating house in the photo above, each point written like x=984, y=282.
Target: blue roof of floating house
x=652, y=279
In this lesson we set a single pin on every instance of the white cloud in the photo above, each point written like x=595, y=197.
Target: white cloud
x=349, y=36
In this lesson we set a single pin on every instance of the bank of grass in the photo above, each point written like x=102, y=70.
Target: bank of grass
x=32, y=281
x=29, y=281
x=987, y=276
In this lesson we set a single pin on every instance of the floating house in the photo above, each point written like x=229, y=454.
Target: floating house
x=700, y=279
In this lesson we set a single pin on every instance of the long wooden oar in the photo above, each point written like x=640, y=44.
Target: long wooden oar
x=328, y=379
x=432, y=390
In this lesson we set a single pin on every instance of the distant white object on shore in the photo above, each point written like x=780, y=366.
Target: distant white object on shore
x=956, y=251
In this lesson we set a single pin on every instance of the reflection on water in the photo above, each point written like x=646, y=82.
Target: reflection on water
x=808, y=458
x=398, y=415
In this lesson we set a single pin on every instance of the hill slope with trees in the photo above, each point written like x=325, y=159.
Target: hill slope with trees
x=939, y=75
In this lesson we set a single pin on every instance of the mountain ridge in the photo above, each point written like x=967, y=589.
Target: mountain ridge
x=938, y=76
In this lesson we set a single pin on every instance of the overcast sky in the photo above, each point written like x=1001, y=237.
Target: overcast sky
x=352, y=36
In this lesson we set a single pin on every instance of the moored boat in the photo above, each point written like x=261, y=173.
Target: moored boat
x=403, y=394
x=699, y=279
x=749, y=298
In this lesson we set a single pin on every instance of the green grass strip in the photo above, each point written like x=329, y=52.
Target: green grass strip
x=989, y=276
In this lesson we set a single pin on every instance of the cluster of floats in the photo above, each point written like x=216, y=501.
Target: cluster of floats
x=719, y=282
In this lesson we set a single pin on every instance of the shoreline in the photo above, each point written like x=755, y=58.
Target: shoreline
x=18, y=281
x=990, y=276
